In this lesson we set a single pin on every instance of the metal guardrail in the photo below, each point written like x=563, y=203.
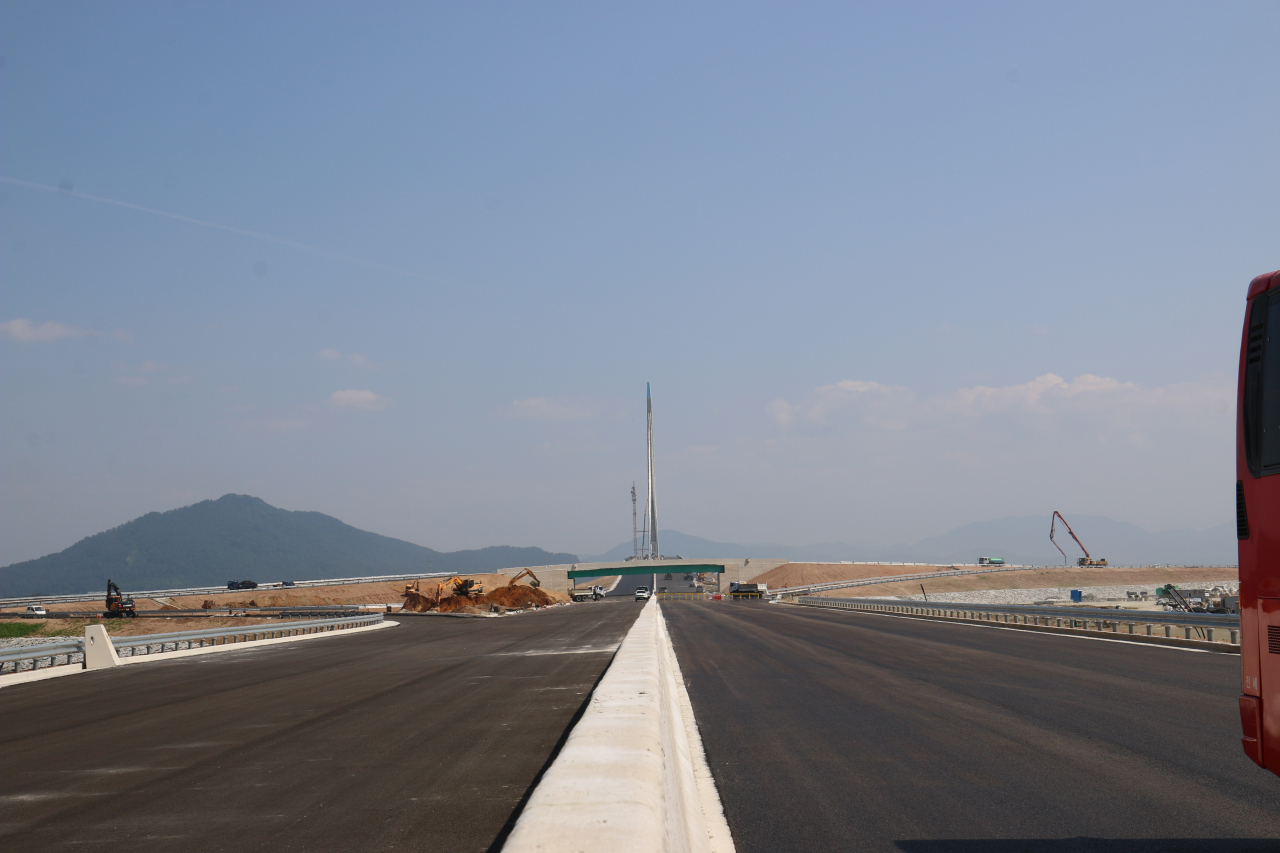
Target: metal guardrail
x=178, y=640
x=211, y=590
x=44, y=650
x=1106, y=619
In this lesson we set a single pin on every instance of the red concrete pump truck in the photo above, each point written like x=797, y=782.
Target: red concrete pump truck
x=1258, y=521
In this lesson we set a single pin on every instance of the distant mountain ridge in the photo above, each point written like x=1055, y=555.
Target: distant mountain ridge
x=237, y=537
x=1021, y=539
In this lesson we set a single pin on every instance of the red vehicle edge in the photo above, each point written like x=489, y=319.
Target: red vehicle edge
x=1258, y=521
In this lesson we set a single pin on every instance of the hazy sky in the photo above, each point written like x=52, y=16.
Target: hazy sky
x=891, y=268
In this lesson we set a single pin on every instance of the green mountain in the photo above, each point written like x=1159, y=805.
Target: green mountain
x=238, y=537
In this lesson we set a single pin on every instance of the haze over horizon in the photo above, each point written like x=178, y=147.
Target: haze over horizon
x=890, y=269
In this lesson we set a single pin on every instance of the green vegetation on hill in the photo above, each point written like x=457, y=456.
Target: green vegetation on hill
x=237, y=537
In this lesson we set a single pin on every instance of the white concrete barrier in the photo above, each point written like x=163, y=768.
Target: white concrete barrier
x=632, y=775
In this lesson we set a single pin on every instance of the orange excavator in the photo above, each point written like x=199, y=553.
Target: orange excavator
x=533, y=579
x=417, y=601
x=1086, y=560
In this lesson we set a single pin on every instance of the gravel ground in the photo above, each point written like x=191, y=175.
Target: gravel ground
x=1031, y=596
x=25, y=642
x=20, y=642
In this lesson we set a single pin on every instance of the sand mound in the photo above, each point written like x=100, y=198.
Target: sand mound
x=505, y=597
x=518, y=597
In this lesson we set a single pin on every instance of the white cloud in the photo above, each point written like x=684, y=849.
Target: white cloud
x=1155, y=455
x=868, y=402
x=23, y=332
x=543, y=409
x=1091, y=402
x=329, y=354
x=357, y=399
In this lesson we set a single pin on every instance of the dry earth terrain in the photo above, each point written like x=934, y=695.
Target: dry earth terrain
x=797, y=574
x=386, y=592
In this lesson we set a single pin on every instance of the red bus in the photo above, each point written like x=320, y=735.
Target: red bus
x=1258, y=521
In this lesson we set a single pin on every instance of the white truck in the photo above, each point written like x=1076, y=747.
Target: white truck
x=589, y=593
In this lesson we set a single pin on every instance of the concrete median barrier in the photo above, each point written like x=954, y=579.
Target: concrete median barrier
x=632, y=775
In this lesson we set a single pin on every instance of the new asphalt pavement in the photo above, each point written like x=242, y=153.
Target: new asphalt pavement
x=425, y=737
x=830, y=730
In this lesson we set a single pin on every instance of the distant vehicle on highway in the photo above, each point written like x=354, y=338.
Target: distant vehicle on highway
x=242, y=585
x=642, y=593
x=288, y=583
x=35, y=610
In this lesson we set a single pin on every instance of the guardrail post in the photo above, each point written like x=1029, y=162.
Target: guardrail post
x=1208, y=632
x=1235, y=637
x=98, y=651
x=1168, y=630
x=1187, y=632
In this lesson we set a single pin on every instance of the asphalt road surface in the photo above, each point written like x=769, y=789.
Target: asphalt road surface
x=426, y=736
x=831, y=730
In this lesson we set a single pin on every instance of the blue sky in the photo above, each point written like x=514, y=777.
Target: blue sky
x=891, y=268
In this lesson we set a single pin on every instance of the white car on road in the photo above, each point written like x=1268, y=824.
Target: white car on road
x=642, y=593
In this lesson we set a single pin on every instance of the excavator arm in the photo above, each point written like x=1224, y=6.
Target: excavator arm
x=533, y=579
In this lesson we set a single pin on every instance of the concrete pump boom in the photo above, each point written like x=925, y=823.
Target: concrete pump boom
x=1086, y=560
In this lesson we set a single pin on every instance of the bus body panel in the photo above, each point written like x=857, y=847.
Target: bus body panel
x=1259, y=554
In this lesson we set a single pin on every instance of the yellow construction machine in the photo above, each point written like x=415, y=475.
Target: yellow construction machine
x=533, y=579
x=417, y=601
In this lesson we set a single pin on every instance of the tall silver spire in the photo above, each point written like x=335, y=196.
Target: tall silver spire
x=653, y=497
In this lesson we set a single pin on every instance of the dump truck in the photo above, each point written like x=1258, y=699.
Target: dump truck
x=587, y=593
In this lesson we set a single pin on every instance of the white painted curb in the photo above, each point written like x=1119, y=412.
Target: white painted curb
x=632, y=775
x=98, y=656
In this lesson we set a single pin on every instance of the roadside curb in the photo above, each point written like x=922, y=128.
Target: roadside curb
x=632, y=775
x=72, y=669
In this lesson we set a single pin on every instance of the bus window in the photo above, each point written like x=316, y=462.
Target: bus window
x=1269, y=391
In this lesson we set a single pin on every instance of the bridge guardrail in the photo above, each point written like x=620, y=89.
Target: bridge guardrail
x=12, y=660
x=1107, y=620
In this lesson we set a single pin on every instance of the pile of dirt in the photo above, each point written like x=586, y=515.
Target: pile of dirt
x=518, y=597
x=504, y=597
x=461, y=604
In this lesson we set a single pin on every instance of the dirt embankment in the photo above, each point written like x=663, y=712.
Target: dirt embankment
x=384, y=592
x=797, y=574
x=138, y=627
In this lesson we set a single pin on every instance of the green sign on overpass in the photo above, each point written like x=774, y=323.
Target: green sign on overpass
x=646, y=568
